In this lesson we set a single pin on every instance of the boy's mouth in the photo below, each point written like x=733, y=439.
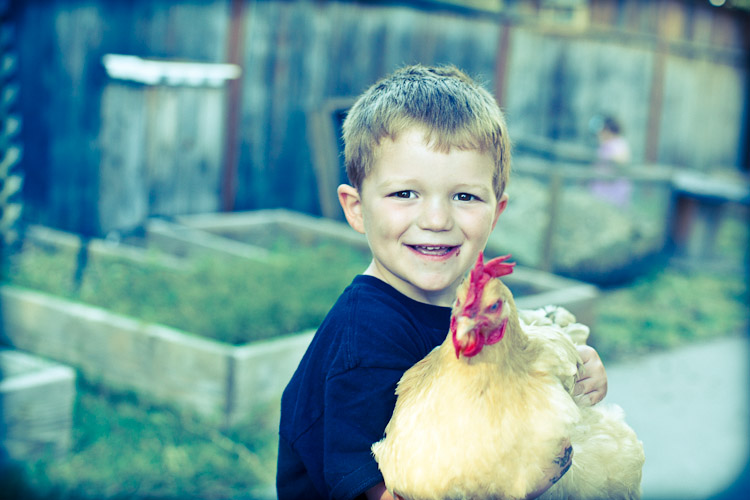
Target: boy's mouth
x=434, y=250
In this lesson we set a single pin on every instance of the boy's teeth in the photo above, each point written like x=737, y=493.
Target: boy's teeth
x=432, y=249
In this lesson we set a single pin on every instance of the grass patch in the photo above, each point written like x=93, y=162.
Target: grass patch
x=125, y=447
x=667, y=309
x=679, y=304
x=239, y=300
x=231, y=300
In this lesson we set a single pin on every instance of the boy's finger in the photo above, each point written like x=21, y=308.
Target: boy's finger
x=587, y=392
x=589, y=398
x=582, y=386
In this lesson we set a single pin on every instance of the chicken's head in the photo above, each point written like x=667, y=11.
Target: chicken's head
x=481, y=311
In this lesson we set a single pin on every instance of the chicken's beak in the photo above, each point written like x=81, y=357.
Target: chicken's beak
x=463, y=334
x=464, y=325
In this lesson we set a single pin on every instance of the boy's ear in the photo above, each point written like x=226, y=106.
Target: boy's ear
x=501, y=205
x=352, y=205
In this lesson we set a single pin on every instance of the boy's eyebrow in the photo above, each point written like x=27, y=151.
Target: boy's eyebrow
x=396, y=183
x=396, y=179
x=393, y=181
x=474, y=187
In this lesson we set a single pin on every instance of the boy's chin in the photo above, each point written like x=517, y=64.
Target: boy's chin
x=437, y=288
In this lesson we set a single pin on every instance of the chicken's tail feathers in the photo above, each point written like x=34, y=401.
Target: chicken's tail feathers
x=608, y=457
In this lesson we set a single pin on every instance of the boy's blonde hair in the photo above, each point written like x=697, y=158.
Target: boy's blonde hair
x=452, y=109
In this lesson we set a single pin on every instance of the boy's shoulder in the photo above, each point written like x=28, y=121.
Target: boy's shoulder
x=370, y=296
x=367, y=308
x=370, y=300
x=372, y=317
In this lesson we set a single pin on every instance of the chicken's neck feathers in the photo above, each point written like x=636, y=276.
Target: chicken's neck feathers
x=510, y=355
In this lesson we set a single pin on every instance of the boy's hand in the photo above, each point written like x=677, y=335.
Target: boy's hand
x=592, y=386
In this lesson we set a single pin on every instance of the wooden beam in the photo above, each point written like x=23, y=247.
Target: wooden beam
x=656, y=101
x=233, y=99
x=501, y=65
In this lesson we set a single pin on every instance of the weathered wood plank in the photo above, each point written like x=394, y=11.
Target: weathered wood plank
x=719, y=88
x=36, y=406
x=123, y=194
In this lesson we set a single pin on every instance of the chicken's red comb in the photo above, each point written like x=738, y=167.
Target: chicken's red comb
x=481, y=274
x=498, y=266
x=494, y=268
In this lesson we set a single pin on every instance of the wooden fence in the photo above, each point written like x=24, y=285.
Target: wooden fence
x=673, y=71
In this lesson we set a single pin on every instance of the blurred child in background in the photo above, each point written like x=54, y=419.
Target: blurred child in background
x=612, y=155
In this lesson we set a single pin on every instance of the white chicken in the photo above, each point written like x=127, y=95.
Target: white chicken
x=486, y=412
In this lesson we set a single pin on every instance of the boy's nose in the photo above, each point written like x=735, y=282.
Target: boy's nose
x=436, y=216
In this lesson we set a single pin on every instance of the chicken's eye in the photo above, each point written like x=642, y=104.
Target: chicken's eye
x=496, y=305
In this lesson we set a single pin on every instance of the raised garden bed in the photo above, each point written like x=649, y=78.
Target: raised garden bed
x=577, y=221
x=217, y=379
x=279, y=229
x=227, y=380
x=36, y=406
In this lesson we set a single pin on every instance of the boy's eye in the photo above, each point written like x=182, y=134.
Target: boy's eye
x=465, y=197
x=403, y=194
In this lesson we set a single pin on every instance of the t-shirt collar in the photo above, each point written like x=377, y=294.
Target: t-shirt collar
x=434, y=316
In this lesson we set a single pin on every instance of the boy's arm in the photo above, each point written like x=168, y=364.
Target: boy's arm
x=593, y=383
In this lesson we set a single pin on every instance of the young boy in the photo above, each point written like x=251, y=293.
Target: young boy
x=427, y=155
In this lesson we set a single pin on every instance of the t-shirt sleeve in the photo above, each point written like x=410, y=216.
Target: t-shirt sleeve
x=359, y=402
x=359, y=406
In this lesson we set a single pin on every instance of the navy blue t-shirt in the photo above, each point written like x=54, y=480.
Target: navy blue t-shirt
x=341, y=397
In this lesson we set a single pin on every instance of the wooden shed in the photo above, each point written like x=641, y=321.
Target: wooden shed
x=162, y=139
x=674, y=71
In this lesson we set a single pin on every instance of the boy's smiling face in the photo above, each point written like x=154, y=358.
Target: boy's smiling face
x=426, y=214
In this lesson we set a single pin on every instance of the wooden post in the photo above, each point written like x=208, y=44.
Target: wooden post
x=548, y=241
x=234, y=96
x=501, y=66
x=670, y=26
x=656, y=100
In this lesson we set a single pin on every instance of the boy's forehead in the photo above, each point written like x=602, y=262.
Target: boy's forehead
x=399, y=156
x=417, y=135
